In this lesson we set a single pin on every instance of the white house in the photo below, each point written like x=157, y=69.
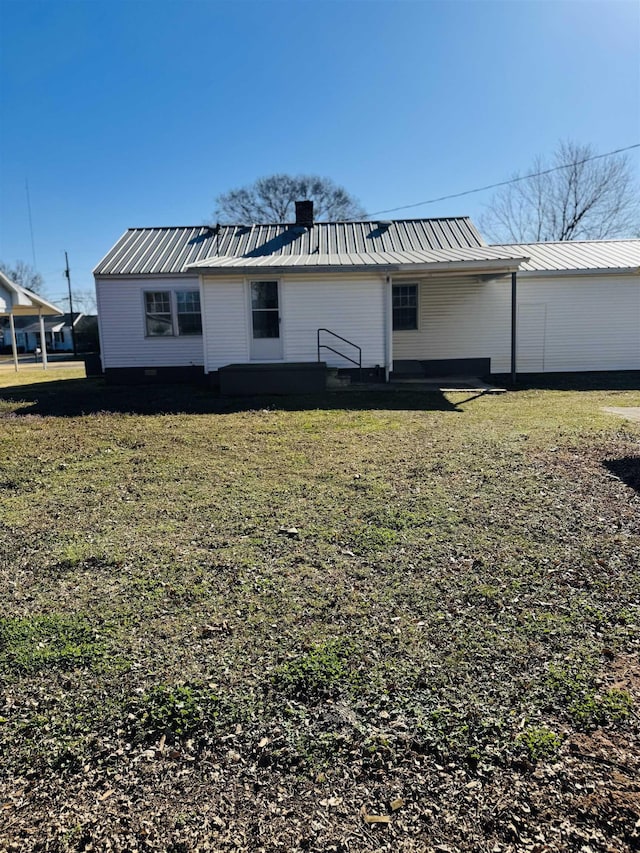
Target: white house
x=424, y=296
x=16, y=302
x=57, y=333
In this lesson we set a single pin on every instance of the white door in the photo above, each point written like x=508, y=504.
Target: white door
x=532, y=320
x=264, y=305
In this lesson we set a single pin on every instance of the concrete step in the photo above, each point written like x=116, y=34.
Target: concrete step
x=334, y=380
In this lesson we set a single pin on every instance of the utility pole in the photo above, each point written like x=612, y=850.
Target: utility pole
x=73, y=330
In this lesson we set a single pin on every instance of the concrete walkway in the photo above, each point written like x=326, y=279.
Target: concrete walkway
x=631, y=413
x=444, y=384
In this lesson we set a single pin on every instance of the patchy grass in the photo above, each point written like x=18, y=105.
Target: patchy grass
x=28, y=645
x=540, y=743
x=446, y=624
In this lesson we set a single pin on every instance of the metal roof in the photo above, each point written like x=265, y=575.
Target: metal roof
x=157, y=251
x=482, y=255
x=578, y=255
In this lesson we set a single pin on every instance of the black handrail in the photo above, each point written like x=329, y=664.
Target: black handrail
x=358, y=363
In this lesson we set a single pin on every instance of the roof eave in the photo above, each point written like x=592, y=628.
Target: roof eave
x=500, y=266
x=26, y=302
x=554, y=273
x=291, y=268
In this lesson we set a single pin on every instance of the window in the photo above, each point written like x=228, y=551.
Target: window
x=158, y=313
x=405, y=307
x=169, y=313
x=264, y=309
x=58, y=337
x=189, y=318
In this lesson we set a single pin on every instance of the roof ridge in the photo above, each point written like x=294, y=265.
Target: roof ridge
x=293, y=224
x=571, y=242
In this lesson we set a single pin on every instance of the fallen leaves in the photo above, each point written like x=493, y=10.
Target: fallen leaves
x=458, y=565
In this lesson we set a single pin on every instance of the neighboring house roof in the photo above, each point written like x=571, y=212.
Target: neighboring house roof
x=578, y=255
x=153, y=251
x=19, y=300
x=51, y=324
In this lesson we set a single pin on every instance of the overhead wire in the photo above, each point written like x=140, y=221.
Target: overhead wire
x=503, y=183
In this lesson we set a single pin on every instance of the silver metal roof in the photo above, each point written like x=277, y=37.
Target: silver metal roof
x=576, y=255
x=157, y=251
x=482, y=256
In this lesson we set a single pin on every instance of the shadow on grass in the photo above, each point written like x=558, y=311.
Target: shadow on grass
x=74, y=397
x=619, y=380
x=626, y=469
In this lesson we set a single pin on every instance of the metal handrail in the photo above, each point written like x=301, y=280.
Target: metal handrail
x=337, y=352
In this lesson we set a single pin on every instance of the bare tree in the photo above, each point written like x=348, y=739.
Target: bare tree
x=272, y=199
x=588, y=200
x=84, y=301
x=23, y=274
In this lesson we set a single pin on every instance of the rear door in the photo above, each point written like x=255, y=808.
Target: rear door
x=264, y=307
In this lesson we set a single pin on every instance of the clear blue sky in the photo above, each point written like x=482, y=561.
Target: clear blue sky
x=139, y=112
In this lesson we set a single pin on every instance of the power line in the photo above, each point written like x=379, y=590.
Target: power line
x=503, y=183
x=33, y=245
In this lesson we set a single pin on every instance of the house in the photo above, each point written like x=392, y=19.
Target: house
x=17, y=302
x=57, y=333
x=417, y=296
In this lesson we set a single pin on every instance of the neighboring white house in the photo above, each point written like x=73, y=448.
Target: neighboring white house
x=17, y=302
x=57, y=333
x=419, y=296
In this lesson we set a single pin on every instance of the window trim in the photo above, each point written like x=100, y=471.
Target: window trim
x=172, y=292
x=416, y=285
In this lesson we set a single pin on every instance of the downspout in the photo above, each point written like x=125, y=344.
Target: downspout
x=514, y=321
x=43, y=342
x=203, y=314
x=388, y=328
x=14, y=344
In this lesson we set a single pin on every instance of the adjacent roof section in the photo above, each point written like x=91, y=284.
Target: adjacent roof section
x=576, y=256
x=157, y=251
x=481, y=257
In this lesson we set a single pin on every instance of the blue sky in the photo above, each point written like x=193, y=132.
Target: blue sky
x=140, y=112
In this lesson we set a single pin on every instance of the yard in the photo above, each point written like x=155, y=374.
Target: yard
x=390, y=621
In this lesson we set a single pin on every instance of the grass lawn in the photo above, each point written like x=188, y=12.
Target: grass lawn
x=369, y=621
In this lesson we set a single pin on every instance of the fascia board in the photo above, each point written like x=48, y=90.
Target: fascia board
x=585, y=272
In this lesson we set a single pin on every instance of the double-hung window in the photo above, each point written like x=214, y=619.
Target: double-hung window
x=188, y=312
x=172, y=312
x=405, y=307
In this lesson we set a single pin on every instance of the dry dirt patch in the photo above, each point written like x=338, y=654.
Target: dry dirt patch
x=631, y=413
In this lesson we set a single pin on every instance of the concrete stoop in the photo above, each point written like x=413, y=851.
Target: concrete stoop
x=449, y=384
x=337, y=380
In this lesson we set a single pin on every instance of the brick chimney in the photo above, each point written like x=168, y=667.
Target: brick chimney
x=304, y=213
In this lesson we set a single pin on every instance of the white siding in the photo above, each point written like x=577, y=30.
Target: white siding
x=565, y=323
x=352, y=308
x=592, y=322
x=531, y=336
x=459, y=318
x=6, y=300
x=225, y=322
x=122, y=326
